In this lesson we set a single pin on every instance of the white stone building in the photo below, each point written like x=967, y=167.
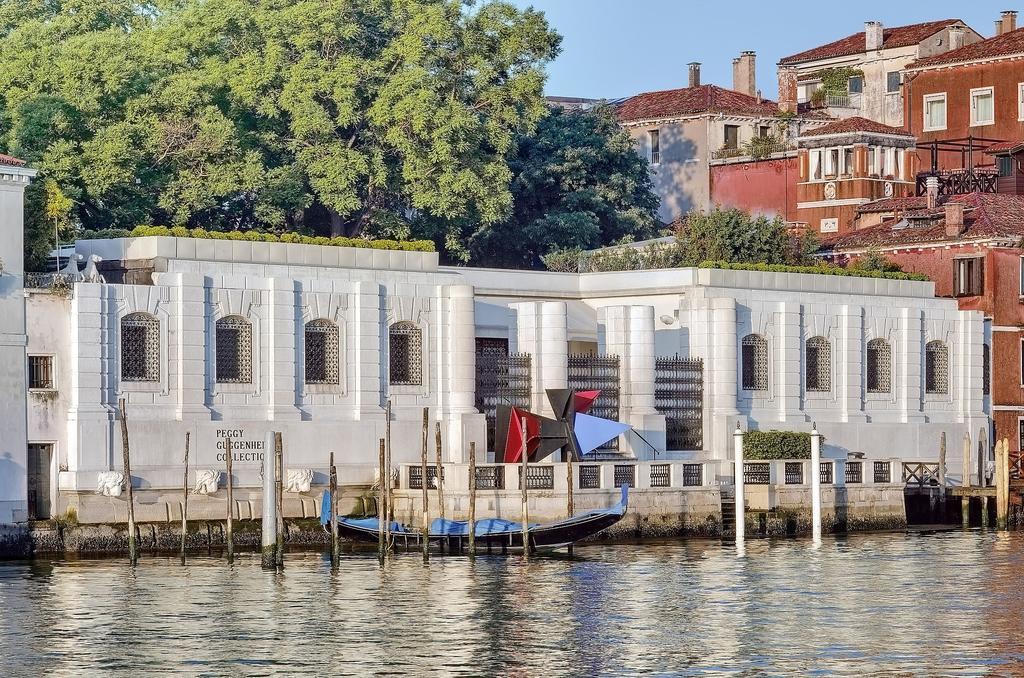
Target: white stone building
x=230, y=340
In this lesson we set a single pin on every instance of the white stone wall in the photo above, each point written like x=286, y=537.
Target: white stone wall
x=706, y=313
x=13, y=366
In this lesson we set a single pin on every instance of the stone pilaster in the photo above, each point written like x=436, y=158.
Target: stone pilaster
x=368, y=320
x=788, y=372
x=849, y=364
x=542, y=331
x=457, y=393
x=188, y=303
x=722, y=375
x=911, y=345
x=282, y=361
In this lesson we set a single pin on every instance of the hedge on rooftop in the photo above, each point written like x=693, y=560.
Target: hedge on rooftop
x=257, y=236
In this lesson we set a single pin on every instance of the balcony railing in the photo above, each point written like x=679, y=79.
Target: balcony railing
x=953, y=182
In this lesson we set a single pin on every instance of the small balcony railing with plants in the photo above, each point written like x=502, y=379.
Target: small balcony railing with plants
x=756, y=148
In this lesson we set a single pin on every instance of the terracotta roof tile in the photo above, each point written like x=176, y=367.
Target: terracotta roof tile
x=914, y=202
x=898, y=36
x=991, y=48
x=693, y=100
x=1004, y=147
x=986, y=215
x=855, y=124
x=11, y=161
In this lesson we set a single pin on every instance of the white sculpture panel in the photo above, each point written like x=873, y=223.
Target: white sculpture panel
x=207, y=481
x=299, y=479
x=110, y=483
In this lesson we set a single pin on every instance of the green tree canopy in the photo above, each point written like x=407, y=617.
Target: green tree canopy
x=578, y=182
x=339, y=116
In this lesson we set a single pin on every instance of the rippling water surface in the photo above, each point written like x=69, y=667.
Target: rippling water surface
x=946, y=603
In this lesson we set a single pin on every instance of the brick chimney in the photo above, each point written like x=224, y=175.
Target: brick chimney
x=1008, y=18
x=956, y=37
x=787, y=89
x=694, y=73
x=872, y=35
x=954, y=219
x=744, y=75
x=999, y=27
x=932, y=192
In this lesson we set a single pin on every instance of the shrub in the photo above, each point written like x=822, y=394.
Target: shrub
x=257, y=236
x=776, y=445
x=822, y=269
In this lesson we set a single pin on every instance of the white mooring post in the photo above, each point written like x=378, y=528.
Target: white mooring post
x=815, y=484
x=268, y=539
x=737, y=438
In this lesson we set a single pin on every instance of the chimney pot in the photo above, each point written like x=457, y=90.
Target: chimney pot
x=744, y=76
x=999, y=27
x=694, y=73
x=954, y=219
x=787, y=89
x=872, y=35
x=956, y=37
x=1008, y=18
x=932, y=192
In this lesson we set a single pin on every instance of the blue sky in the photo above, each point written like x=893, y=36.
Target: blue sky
x=613, y=48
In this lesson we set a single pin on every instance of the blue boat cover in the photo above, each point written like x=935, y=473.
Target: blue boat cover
x=485, y=527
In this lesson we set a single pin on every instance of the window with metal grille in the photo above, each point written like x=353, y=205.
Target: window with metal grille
x=234, y=350
x=679, y=396
x=625, y=474
x=757, y=473
x=540, y=477
x=826, y=470
x=936, y=367
x=986, y=370
x=754, y=358
x=416, y=477
x=590, y=477
x=883, y=472
x=969, y=276
x=140, y=347
x=405, y=354
x=794, y=473
x=655, y=146
x=879, y=366
x=854, y=472
x=819, y=364
x=40, y=372
x=322, y=364
x=661, y=475
x=490, y=477
x=693, y=475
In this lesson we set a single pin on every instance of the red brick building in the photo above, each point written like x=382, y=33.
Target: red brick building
x=959, y=103
x=970, y=246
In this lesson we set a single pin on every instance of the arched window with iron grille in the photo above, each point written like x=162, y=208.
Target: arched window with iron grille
x=405, y=354
x=818, y=375
x=879, y=366
x=936, y=367
x=754, y=362
x=321, y=351
x=234, y=350
x=140, y=348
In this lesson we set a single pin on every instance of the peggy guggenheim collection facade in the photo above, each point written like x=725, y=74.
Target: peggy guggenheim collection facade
x=227, y=340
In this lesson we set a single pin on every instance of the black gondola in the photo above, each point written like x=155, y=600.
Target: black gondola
x=489, y=532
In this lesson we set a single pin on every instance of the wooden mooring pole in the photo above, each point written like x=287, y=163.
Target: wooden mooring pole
x=184, y=502
x=523, y=483
x=279, y=495
x=1002, y=483
x=268, y=523
x=229, y=530
x=570, y=507
x=440, y=472
x=381, y=509
x=423, y=477
x=472, y=499
x=335, y=554
x=388, y=485
x=133, y=545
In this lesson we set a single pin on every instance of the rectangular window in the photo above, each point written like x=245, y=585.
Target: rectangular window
x=1005, y=164
x=856, y=84
x=732, y=136
x=831, y=162
x=1020, y=101
x=982, y=106
x=847, y=161
x=1022, y=276
x=968, y=277
x=764, y=131
x=815, y=168
x=40, y=372
x=892, y=81
x=1022, y=361
x=934, y=112
x=872, y=161
x=655, y=146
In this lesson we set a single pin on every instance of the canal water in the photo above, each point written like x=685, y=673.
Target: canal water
x=921, y=603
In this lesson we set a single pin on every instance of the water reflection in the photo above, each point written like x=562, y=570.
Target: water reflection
x=915, y=603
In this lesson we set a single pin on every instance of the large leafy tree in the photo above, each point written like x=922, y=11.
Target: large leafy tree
x=578, y=182
x=347, y=116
